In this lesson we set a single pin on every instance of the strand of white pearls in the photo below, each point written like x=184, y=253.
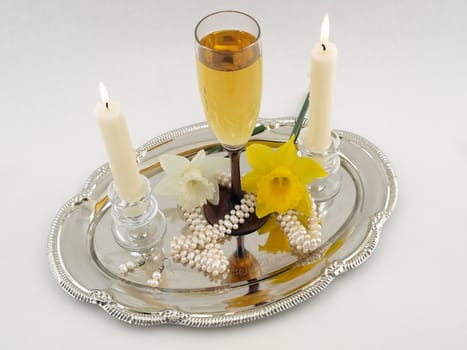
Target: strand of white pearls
x=131, y=266
x=201, y=249
x=156, y=278
x=304, y=240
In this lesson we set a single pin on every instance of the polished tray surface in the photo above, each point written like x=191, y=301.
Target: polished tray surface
x=84, y=258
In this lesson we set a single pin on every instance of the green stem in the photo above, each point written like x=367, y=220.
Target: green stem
x=301, y=116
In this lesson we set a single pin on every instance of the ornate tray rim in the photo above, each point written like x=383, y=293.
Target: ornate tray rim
x=172, y=316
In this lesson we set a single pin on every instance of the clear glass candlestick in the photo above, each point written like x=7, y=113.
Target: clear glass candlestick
x=326, y=188
x=137, y=226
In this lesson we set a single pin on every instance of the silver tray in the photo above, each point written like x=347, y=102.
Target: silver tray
x=84, y=258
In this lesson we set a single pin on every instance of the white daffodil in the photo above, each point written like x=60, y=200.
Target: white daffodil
x=194, y=182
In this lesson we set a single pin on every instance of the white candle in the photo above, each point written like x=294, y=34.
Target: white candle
x=121, y=154
x=317, y=136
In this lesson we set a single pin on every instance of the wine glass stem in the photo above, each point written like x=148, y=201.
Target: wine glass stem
x=236, y=194
x=241, y=250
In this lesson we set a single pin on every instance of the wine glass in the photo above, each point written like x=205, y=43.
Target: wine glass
x=229, y=64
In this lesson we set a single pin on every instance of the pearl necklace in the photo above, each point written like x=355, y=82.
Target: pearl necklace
x=201, y=248
x=131, y=266
x=303, y=240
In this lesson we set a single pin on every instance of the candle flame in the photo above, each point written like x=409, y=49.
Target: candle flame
x=325, y=30
x=104, y=94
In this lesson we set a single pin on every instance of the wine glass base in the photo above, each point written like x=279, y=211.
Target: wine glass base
x=214, y=213
x=243, y=267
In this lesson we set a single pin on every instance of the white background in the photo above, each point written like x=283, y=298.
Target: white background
x=401, y=83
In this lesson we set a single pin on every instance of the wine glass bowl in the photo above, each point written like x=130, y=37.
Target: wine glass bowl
x=229, y=65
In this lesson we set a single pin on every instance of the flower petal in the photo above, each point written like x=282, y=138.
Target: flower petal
x=260, y=157
x=172, y=164
x=263, y=208
x=304, y=206
x=168, y=186
x=194, y=189
x=214, y=199
x=194, y=195
x=277, y=241
x=250, y=181
x=215, y=165
x=286, y=155
x=187, y=202
x=308, y=170
x=199, y=158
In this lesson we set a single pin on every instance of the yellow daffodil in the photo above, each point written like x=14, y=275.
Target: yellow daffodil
x=277, y=240
x=279, y=178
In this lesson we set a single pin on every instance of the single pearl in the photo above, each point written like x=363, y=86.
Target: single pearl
x=130, y=265
x=153, y=283
x=228, y=224
x=123, y=269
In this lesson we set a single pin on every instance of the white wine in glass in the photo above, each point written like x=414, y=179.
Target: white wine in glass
x=230, y=78
x=229, y=64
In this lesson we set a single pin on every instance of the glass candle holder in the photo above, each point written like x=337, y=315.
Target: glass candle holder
x=137, y=226
x=326, y=188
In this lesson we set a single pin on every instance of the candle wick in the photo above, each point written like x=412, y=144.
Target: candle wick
x=107, y=105
x=323, y=46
